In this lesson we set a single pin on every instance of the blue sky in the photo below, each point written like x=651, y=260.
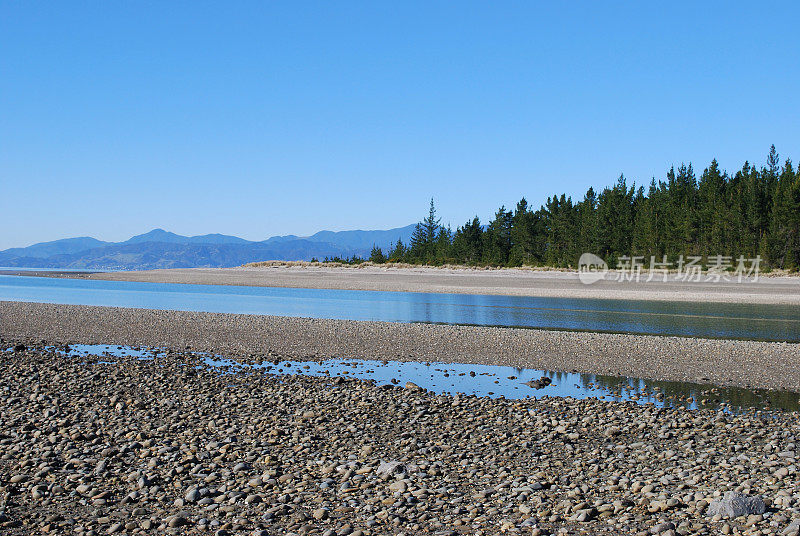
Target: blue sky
x=267, y=118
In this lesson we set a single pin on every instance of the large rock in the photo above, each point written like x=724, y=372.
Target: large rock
x=541, y=383
x=391, y=468
x=735, y=504
x=411, y=386
x=792, y=529
x=193, y=495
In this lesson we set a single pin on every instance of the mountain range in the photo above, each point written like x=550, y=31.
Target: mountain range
x=163, y=249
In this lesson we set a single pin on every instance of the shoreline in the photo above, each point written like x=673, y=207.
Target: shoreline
x=730, y=363
x=777, y=290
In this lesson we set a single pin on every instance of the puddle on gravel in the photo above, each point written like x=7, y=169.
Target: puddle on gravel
x=486, y=380
x=516, y=383
x=105, y=350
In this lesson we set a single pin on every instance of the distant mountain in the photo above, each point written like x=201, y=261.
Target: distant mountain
x=364, y=240
x=163, y=249
x=160, y=235
x=157, y=235
x=217, y=238
x=360, y=240
x=56, y=247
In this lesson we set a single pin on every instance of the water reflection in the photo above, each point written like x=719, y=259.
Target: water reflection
x=492, y=381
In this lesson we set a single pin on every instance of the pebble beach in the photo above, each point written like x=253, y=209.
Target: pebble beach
x=168, y=446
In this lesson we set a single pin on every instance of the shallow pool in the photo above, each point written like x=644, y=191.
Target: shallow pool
x=486, y=380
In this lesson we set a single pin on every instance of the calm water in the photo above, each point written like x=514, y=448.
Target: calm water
x=765, y=322
x=485, y=380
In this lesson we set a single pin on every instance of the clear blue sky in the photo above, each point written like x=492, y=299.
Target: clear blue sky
x=267, y=118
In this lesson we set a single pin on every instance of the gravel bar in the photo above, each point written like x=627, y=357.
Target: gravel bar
x=95, y=446
x=721, y=362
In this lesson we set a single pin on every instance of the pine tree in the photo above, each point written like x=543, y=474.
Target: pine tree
x=418, y=243
x=498, y=238
x=685, y=216
x=468, y=242
x=710, y=211
x=398, y=252
x=443, y=245
x=523, y=234
x=785, y=223
x=587, y=223
x=615, y=220
x=423, y=239
x=550, y=211
x=431, y=224
x=376, y=255
x=641, y=241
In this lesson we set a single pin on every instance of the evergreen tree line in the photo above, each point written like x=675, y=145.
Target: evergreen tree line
x=755, y=211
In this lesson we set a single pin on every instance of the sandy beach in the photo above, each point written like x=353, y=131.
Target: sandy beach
x=511, y=282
